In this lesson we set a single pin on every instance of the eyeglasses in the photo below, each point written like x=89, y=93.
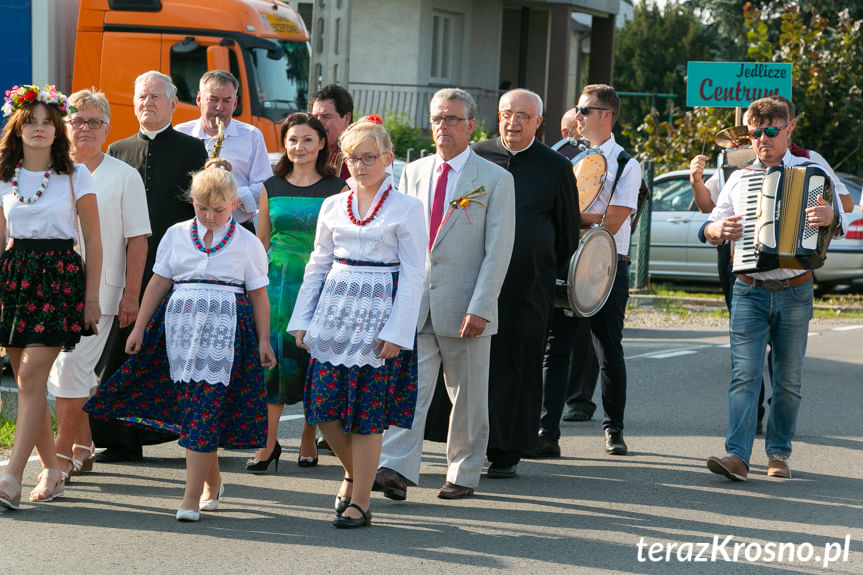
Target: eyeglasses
x=585, y=110
x=93, y=123
x=769, y=131
x=450, y=120
x=366, y=159
x=520, y=117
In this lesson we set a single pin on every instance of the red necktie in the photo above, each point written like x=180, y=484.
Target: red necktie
x=436, y=214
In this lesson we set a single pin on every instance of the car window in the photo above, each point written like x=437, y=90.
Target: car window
x=853, y=184
x=672, y=195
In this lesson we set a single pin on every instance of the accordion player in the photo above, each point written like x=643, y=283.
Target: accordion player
x=778, y=234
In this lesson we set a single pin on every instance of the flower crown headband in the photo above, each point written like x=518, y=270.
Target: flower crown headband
x=28, y=94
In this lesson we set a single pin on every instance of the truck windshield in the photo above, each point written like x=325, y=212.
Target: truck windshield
x=283, y=84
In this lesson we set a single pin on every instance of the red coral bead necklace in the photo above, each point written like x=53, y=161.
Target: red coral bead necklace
x=196, y=239
x=374, y=211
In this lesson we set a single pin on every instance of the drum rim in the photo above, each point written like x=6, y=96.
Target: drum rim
x=573, y=265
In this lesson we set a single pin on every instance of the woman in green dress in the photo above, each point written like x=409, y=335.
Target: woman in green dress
x=288, y=213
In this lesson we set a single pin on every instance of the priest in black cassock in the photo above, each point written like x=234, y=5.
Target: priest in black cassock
x=166, y=160
x=546, y=235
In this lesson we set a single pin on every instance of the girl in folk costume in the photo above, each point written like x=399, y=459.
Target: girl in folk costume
x=201, y=337
x=359, y=329
x=46, y=299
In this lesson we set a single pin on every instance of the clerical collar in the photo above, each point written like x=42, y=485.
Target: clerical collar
x=152, y=135
x=516, y=152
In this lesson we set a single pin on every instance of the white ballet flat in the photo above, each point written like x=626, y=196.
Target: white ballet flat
x=188, y=514
x=213, y=504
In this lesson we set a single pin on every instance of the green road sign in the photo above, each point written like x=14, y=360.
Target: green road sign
x=735, y=84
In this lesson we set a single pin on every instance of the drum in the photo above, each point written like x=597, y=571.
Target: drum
x=591, y=274
x=589, y=168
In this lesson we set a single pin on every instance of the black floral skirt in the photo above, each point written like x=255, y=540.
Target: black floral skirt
x=41, y=294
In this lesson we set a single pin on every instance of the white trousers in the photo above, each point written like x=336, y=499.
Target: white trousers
x=465, y=371
x=73, y=374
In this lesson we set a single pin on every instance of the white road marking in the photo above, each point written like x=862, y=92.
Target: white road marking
x=672, y=354
x=291, y=417
x=847, y=327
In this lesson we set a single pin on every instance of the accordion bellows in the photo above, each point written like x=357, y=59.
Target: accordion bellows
x=779, y=234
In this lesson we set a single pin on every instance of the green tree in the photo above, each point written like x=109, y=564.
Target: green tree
x=651, y=51
x=826, y=50
x=827, y=56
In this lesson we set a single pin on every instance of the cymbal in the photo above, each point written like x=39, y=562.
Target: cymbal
x=732, y=137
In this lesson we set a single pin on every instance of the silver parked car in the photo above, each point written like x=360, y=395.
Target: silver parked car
x=677, y=254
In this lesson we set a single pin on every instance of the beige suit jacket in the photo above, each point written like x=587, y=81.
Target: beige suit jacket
x=468, y=261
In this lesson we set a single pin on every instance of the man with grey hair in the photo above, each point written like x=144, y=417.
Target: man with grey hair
x=166, y=160
x=470, y=214
x=243, y=144
x=546, y=235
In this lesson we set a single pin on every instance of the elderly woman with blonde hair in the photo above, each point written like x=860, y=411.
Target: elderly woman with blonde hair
x=356, y=313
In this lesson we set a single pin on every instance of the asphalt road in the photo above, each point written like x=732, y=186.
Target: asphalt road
x=586, y=512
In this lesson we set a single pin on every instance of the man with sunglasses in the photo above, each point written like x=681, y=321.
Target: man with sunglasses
x=470, y=214
x=770, y=306
x=597, y=110
x=546, y=235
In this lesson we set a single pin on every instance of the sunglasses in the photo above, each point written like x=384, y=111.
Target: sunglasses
x=769, y=131
x=585, y=110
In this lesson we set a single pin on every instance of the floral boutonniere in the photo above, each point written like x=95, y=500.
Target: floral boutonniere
x=462, y=202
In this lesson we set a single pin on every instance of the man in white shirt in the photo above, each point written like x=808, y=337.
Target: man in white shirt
x=773, y=305
x=597, y=110
x=243, y=144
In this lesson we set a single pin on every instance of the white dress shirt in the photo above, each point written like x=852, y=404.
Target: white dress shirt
x=456, y=166
x=242, y=260
x=245, y=148
x=625, y=195
x=725, y=208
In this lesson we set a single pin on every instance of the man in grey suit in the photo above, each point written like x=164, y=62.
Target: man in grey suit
x=470, y=214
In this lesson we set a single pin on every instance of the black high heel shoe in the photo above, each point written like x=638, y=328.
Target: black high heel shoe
x=342, y=501
x=261, y=466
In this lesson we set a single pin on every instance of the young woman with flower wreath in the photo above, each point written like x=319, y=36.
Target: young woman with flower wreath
x=200, y=340
x=359, y=329
x=47, y=300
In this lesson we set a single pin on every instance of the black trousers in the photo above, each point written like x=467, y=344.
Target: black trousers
x=117, y=435
x=604, y=333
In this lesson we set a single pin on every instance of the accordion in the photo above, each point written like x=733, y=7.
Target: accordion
x=776, y=233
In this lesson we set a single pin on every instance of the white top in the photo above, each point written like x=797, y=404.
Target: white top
x=838, y=186
x=725, y=208
x=397, y=234
x=456, y=168
x=122, y=214
x=626, y=193
x=712, y=185
x=51, y=217
x=245, y=148
x=242, y=260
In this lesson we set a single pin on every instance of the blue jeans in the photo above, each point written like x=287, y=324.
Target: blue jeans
x=758, y=317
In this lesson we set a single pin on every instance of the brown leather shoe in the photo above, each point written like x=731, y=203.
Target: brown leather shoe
x=453, y=491
x=777, y=466
x=730, y=466
x=392, y=483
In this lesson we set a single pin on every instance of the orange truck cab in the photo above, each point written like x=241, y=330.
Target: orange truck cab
x=263, y=43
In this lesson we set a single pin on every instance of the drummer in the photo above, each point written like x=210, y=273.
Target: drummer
x=597, y=110
x=569, y=132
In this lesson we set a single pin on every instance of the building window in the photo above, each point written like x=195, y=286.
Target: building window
x=320, y=36
x=338, y=35
x=443, y=26
x=335, y=73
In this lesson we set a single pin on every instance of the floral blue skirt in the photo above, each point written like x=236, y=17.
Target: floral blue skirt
x=205, y=416
x=366, y=399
